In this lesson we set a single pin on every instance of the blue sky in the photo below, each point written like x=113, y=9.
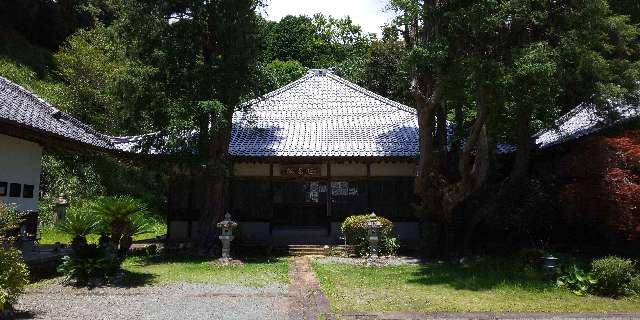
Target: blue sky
x=369, y=14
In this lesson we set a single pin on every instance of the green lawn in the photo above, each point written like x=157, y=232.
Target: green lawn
x=158, y=270
x=485, y=285
x=252, y=273
x=49, y=234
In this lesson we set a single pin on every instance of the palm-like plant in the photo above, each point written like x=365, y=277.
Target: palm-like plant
x=79, y=223
x=123, y=217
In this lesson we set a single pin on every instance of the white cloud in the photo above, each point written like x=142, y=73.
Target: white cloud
x=369, y=14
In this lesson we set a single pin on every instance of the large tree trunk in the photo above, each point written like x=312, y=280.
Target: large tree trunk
x=520, y=170
x=216, y=174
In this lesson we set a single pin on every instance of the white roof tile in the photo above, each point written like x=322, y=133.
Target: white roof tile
x=584, y=120
x=323, y=115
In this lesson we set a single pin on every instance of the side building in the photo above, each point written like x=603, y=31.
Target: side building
x=29, y=125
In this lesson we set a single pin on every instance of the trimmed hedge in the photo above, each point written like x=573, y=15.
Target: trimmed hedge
x=354, y=229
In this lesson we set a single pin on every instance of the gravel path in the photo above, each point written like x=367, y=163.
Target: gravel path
x=176, y=301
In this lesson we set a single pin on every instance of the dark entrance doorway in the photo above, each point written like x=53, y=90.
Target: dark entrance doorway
x=300, y=203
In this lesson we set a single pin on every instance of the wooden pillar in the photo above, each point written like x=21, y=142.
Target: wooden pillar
x=272, y=210
x=368, y=186
x=329, y=200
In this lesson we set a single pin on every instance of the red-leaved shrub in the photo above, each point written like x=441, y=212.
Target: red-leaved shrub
x=604, y=187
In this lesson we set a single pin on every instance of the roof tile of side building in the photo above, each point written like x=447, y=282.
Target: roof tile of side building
x=323, y=115
x=19, y=106
x=584, y=120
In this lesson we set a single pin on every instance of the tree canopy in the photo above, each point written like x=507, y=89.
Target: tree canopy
x=500, y=70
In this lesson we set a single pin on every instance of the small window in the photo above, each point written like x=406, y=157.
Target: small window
x=3, y=189
x=28, y=191
x=15, y=189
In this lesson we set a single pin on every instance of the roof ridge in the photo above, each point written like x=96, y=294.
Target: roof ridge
x=55, y=112
x=370, y=93
x=562, y=119
x=276, y=92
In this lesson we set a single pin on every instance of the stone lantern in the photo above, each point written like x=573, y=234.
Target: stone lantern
x=550, y=264
x=373, y=226
x=61, y=207
x=226, y=235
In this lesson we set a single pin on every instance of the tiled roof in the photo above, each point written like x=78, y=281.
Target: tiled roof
x=323, y=115
x=585, y=120
x=21, y=107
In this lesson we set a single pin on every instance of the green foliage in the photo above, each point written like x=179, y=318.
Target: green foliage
x=118, y=212
x=89, y=265
x=354, y=229
x=79, y=222
x=316, y=42
x=14, y=276
x=634, y=285
x=280, y=73
x=121, y=218
x=387, y=70
x=113, y=92
x=577, y=281
x=614, y=276
x=10, y=219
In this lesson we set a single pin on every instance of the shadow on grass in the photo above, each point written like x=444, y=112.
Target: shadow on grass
x=134, y=279
x=143, y=259
x=481, y=274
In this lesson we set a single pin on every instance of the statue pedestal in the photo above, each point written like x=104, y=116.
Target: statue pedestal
x=373, y=246
x=226, y=247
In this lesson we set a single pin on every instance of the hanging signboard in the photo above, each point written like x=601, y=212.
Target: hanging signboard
x=300, y=171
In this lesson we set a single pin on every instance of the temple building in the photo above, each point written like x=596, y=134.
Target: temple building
x=304, y=157
x=307, y=156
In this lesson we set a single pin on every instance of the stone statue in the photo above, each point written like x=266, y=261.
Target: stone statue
x=61, y=207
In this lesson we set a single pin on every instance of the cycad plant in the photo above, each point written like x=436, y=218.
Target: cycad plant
x=79, y=223
x=123, y=218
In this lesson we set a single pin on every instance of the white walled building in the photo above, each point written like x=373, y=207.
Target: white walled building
x=28, y=124
x=20, y=172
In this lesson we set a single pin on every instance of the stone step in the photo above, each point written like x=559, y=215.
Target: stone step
x=305, y=246
x=308, y=250
x=301, y=250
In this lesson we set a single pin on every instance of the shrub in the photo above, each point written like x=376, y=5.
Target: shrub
x=614, y=276
x=89, y=265
x=118, y=220
x=122, y=218
x=13, y=277
x=354, y=229
x=635, y=284
x=577, y=281
x=10, y=219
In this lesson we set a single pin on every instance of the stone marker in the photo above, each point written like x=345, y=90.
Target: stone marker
x=373, y=226
x=226, y=235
